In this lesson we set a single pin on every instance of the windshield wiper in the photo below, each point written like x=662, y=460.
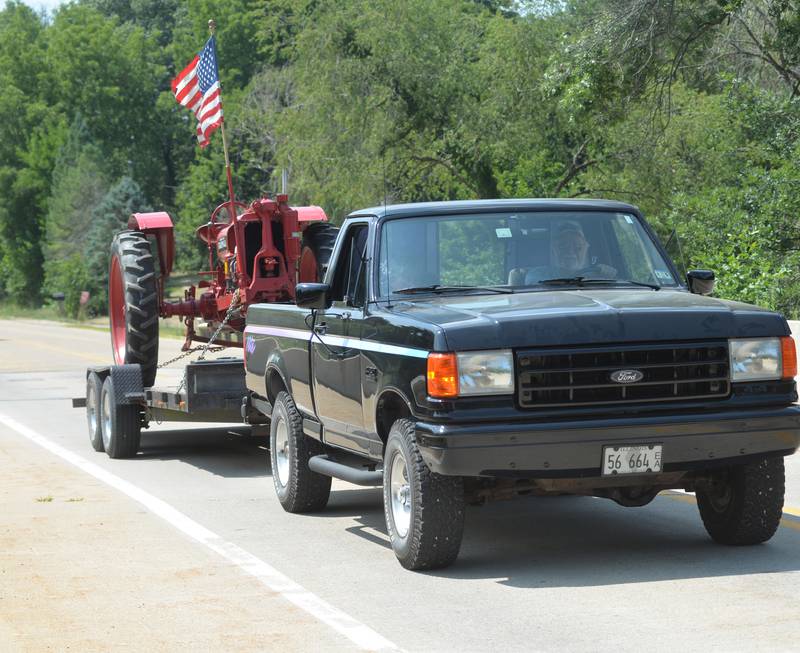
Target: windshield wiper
x=437, y=288
x=582, y=281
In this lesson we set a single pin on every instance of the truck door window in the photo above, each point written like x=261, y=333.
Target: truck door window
x=350, y=278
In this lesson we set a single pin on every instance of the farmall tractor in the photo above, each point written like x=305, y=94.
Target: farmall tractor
x=256, y=253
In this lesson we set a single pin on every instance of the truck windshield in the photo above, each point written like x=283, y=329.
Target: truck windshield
x=518, y=251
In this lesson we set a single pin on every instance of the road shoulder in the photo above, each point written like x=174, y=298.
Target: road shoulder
x=83, y=567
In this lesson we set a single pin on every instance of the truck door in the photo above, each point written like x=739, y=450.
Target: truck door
x=335, y=356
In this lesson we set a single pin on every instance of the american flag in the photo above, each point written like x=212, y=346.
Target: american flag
x=197, y=89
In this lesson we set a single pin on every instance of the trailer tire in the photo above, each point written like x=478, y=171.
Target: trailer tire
x=315, y=251
x=298, y=488
x=744, y=504
x=94, y=389
x=424, y=510
x=133, y=303
x=120, y=423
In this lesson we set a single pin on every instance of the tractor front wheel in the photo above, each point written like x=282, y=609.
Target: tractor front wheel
x=316, y=250
x=133, y=303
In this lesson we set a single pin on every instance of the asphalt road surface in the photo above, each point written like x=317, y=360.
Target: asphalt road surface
x=566, y=573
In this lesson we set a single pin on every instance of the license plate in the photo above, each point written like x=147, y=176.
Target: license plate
x=637, y=459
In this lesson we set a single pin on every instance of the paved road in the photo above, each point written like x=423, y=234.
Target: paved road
x=565, y=573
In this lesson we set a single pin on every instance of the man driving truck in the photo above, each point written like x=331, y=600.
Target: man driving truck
x=569, y=256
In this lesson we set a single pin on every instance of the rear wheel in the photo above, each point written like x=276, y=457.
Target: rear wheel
x=424, y=510
x=744, y=504
x=298, y=488
x=94, y=387
x=133, y=303
x=120, y=424
x=316, y=250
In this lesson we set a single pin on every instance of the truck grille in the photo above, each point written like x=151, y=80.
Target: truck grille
x=581, y=376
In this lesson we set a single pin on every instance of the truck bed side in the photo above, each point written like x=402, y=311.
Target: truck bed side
x=277, y=341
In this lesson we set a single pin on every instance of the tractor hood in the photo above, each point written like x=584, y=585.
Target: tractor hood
x=587, y=316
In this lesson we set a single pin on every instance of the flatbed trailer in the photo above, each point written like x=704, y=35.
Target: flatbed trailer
x=118, y=405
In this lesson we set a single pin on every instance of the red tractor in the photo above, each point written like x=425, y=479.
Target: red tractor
x=256, y=253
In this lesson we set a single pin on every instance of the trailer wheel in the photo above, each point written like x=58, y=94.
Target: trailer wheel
x=133, y=303
x=744, y=503
x=316, y=250
x=424, y=510
x=298, y=488
x=120, y=424
x=94, y=388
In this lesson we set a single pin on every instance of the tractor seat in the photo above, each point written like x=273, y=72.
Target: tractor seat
x=210, y=230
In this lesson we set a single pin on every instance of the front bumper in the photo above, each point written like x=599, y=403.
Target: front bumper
x=574, y=449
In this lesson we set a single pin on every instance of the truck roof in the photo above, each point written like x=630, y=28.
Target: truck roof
x=480, y=206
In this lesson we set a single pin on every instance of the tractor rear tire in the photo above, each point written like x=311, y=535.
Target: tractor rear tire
x=133, y=303
x=316, y=250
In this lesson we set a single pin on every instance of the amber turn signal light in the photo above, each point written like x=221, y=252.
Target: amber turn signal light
x=788, y=354
x=442, y=375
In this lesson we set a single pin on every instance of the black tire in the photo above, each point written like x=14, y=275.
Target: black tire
x=744, y=504
x=318, y=241
x=138, y=277
x=436, y=524
x=120, y=424
x=94, y=388
x=298, y=488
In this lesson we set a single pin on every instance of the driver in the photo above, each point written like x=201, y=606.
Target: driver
x=569, y=256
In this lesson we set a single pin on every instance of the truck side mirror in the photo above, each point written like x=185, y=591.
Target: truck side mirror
x=312, y=295
x=701, y=282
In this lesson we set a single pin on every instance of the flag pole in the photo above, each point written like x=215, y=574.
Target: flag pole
x=212, y=27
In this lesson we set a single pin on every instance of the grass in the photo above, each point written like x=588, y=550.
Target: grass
x=167, y=328
x=14, y=311
x=75, y=500
x=46, y=499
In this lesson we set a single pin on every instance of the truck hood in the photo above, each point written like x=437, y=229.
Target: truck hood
x=587, y=316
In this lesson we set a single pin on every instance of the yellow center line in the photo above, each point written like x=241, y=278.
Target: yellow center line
x=36, y=344
x=787, y=510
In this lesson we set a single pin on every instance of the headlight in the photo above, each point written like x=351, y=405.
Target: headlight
x=486, y=373
x=471, y=373
x=757, y=359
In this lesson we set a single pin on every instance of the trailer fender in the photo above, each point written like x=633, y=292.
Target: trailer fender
x=127, y=381
x=159, y=225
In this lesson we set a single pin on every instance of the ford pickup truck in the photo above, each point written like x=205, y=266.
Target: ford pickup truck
x=459, y=352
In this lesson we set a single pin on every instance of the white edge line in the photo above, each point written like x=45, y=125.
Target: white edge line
x=360, y=634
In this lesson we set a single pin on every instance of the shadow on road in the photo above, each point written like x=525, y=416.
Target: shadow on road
x=225, y=451
x=585, y=542
x=534, y=543
x=581, y=542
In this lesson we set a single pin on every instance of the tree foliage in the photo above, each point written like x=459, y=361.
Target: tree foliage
x=688, y=108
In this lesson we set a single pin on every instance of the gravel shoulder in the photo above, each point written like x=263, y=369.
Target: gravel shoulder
x=84, y=568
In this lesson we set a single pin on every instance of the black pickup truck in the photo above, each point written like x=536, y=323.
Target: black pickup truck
x=459, y=352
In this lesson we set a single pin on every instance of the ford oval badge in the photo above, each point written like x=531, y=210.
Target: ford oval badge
x=626, y=376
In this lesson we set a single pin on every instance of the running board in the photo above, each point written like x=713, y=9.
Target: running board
x=324, y=465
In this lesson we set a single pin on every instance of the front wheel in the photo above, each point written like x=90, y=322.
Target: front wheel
x=424, y=510
x=298, y=488
x=743, y=504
